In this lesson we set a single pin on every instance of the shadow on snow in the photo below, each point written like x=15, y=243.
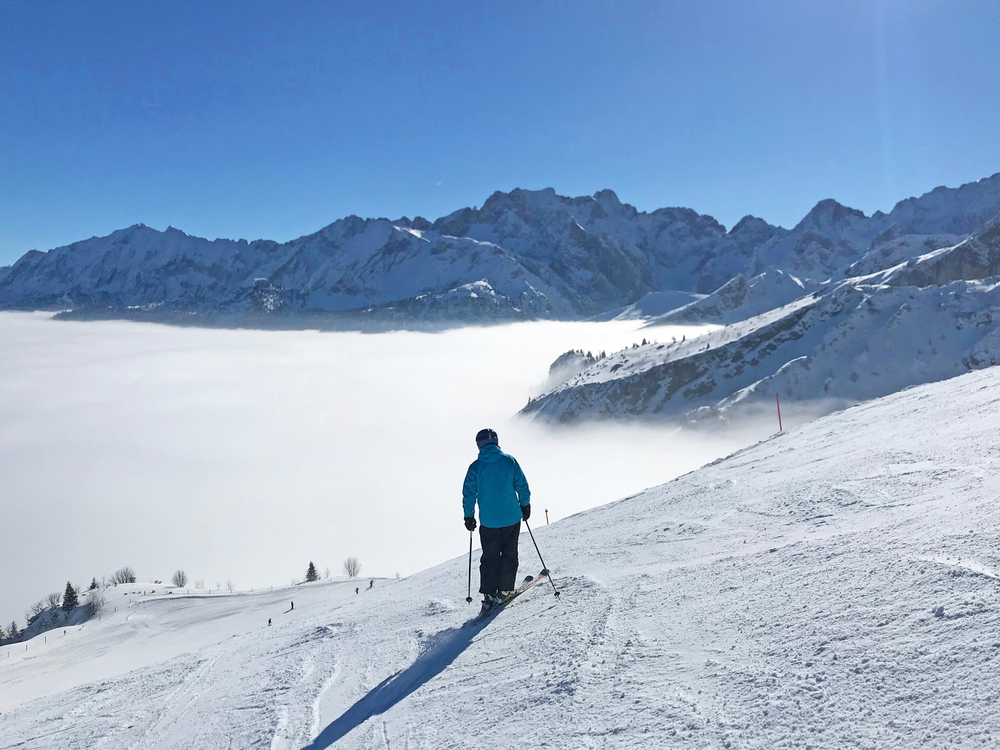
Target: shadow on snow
x=444, y=649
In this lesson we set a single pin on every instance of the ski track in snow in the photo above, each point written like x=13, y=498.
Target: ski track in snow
x=831, y=587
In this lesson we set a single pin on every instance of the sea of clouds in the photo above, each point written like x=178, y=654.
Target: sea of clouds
x=244, y=455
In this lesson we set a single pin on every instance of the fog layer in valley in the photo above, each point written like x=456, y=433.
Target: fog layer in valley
x=243, y=455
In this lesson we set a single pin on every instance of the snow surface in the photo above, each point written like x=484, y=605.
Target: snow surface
x=834, y=586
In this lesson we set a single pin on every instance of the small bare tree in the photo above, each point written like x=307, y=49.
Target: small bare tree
x=200, y=583
x=326, y=573
x=54, y=599
x=124, y=575
x=95, y=604
x=34, y=610
x=230, y=586
x=352, y=567
x=180, y=579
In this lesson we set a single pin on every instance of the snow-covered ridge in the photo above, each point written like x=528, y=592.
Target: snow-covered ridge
x=850, y=343
x=545, y=255
x=833, y=586
x=739, y=299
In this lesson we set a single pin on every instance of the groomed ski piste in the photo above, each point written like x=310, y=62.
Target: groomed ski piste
x=833, y=586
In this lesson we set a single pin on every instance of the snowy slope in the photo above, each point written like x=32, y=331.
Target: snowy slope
x=651, y=305
x=890, y=249
x=738, y=299
x=850, y=343
x=835, y=586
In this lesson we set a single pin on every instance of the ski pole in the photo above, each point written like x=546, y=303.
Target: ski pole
x=469, y=597
x=545, y=569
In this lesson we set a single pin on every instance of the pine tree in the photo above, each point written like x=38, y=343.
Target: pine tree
x=12, y=631
x=93, y=584
x=311, y=574
x=3, y=635
x=70, y=599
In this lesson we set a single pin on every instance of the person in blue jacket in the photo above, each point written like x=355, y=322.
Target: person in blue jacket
x=495, y=481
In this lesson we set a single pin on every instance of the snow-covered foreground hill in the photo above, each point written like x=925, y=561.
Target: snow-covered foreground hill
x=834, y=586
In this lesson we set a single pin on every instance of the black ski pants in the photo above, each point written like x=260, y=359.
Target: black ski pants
x=498, y=564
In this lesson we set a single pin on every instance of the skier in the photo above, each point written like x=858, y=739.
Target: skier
x=371, y=584
x=496, y=482
x=293, y=607
x=269, y=622
x=357, y=590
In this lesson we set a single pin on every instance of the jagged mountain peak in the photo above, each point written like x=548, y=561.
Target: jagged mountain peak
x=607, y=194
x=830, y=214
x=417, y=222
x=752, y=225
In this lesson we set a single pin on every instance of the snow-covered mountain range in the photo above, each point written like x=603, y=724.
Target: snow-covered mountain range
x=523, y=254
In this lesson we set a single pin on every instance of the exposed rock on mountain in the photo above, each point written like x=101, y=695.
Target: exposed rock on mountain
x=569, y=364
x=977, y=257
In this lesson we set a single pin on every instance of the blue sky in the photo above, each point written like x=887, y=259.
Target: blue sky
x=271, y=119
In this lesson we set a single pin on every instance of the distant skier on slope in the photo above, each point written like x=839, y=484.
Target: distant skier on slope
x=496, y=482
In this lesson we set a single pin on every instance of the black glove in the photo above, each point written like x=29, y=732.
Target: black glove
x=470, y=523
x=526, y=511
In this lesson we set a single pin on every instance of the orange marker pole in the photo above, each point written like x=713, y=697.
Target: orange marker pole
x=778, y=404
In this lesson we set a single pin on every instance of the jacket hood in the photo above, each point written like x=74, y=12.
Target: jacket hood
x=490, y=453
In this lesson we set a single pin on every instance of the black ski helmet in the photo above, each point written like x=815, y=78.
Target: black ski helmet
x=486, y=437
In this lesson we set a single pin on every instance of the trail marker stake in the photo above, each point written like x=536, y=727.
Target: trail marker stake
x=778, y=404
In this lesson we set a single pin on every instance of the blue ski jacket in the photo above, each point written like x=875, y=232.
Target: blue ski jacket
x=496, y=481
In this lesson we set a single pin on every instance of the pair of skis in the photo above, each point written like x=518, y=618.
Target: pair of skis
x=528, y=583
